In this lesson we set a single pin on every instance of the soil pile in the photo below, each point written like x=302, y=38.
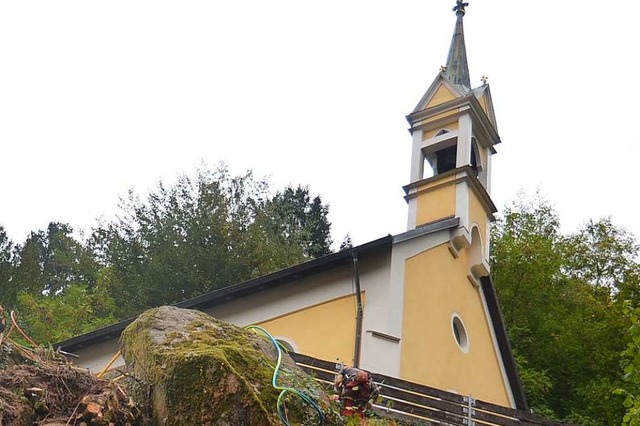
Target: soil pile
x=39, y=387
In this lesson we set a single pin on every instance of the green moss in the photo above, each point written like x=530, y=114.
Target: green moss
x=203, y=371
x=211, y=362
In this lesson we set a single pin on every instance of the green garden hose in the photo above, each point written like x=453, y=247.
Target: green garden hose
x=274, y=382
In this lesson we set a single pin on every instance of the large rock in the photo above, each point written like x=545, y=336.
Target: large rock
x=202, y=371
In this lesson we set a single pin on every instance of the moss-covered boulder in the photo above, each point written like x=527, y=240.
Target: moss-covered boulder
x=201, y=371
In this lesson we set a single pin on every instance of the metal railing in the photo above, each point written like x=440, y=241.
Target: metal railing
x=426, y=405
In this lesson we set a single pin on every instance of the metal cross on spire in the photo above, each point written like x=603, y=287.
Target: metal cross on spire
x=457, y=70
x=459, y=8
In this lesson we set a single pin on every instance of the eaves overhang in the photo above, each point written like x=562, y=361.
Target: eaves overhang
x=427, y=228
x=236, y=291
x=419, y=119
x=412, y=190
x=511, y=369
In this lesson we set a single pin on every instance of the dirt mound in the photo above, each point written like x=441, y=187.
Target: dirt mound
x=47, y=393
x=39, y=387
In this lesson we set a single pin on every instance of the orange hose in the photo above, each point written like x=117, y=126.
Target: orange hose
x=15, y=323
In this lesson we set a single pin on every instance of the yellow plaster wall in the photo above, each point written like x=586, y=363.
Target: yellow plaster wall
x=441, y=96
x=325, y=331
x=453, y=125
x=436, y=203
x=436, y=286
x=447, y=116
x=483, y=103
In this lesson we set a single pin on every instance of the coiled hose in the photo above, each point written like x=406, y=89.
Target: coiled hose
x=274, y=382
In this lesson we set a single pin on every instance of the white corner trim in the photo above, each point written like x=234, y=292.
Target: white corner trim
x=289, y=342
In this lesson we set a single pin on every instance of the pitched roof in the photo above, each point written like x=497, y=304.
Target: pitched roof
x=508, y=361
x=246, y=288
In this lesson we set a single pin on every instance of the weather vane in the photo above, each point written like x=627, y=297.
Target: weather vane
x=484, y=80
x=459, y=7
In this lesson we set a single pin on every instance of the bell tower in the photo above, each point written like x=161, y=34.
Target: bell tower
x=454, y=133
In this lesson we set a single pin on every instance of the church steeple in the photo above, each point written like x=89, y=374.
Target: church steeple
x=457, y=69
x=454, y=135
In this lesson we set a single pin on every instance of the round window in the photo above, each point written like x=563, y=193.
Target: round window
x=460, y=333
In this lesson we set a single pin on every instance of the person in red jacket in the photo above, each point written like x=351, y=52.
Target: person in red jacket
x=355, y=388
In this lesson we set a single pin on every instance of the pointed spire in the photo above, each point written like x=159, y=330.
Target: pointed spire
x=457, y=68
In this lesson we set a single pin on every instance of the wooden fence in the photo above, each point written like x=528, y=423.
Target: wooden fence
x=426, y=405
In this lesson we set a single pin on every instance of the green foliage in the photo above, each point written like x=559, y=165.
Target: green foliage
x=200, y=234
x=65, y=260
x=28, y=265
x=631, y=366
x=298, y=220
x=602, y=254
x=205, y=233
x=7, y=286
x=560, y=296
x=537, y=385
x=73, y=311
x=346, y=243
x=50, y=261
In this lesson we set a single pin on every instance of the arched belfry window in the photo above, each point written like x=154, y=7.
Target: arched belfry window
x=474, y=158
x=446, y=159
x=440, y=155
x=477, y=162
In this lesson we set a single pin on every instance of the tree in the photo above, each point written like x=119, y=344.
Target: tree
x=50, y=260
x=602, y=254
x=559, y=296
x=70, y=312
x=53, y=286
x=526, y=267
x=631, y=365
x=298, y=220
x=346, y=243
x=206, y=232
x=65, y=260
x=28, y=264
x=7, y=286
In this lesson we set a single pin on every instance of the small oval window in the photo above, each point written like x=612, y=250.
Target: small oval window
x=460, y=333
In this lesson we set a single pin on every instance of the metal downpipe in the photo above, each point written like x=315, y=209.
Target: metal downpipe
x=359, y=311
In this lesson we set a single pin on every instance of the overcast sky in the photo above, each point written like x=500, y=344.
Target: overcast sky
x=100, y=97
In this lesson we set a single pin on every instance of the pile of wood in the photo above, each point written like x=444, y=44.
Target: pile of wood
x=109, y=408
x=182, y=368
x=38, y=386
